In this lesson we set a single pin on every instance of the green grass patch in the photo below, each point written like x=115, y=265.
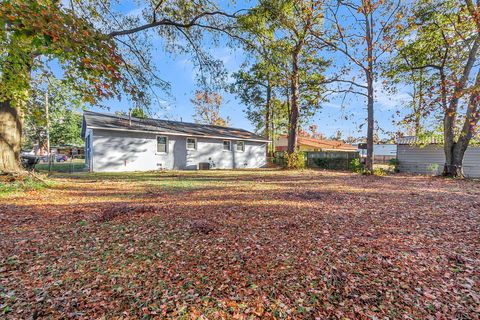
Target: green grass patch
x=26, y=184
x=77, y=165
x=178, y=185
x=169, y=181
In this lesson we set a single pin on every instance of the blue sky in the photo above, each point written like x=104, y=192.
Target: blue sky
x=337, y=114
x=346, y=115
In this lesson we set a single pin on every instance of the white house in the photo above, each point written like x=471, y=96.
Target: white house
x=120, y=143
x=429, y=157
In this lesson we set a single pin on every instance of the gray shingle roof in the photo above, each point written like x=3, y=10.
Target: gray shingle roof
x=117, y=122
x=411, y=140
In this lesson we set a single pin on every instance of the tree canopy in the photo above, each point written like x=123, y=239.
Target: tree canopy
x=64, y=120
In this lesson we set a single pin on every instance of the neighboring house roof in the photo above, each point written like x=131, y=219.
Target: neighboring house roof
x=106, y=121
x=411, y=140
x=323, y=144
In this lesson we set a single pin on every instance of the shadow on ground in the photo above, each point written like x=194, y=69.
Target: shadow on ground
x=242, y=243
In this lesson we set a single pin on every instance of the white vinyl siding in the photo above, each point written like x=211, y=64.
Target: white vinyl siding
x=431, y=159
x=116, y=151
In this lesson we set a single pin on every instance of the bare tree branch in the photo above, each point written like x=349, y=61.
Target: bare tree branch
x=168, y=22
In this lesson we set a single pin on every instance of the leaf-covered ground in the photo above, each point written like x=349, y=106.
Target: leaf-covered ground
x=242, y=244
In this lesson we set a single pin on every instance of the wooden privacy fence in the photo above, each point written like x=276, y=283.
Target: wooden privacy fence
x=336, y=160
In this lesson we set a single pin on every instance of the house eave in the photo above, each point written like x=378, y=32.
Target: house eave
x=178, y=134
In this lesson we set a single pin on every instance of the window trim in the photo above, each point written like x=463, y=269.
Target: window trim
x=186, y=144
x=156, y=144
x=229, y=145
x=236, y=145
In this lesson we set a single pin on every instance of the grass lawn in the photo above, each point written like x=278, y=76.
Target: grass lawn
x=74, y=165
x=242, y=244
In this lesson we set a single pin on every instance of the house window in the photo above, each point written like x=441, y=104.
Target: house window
x=240, y=146
x=162, y=143
x=191, y=144
x=226, y=145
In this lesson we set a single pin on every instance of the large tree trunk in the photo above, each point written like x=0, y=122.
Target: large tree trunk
x=449, y=119
x=11, y=108
x=451, y=168
x=11, y=122
x=294, y=113
x=454, y=165
x=454, y=168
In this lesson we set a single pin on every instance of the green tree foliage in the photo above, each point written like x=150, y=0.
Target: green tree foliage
x=66, y=129
x=258, y=88
x=35, y=31
x=138, y=113
x=65, y=119
x=254, y=89
x=286, y=64
x=257, y=83
x=32, y=33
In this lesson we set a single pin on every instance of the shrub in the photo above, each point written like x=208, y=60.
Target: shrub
x=295, y=160
x=356, y=165
x=393, y=162
x=433, y=167
x=379, y=172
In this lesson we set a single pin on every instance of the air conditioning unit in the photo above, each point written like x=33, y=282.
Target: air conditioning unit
x=204, y=166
